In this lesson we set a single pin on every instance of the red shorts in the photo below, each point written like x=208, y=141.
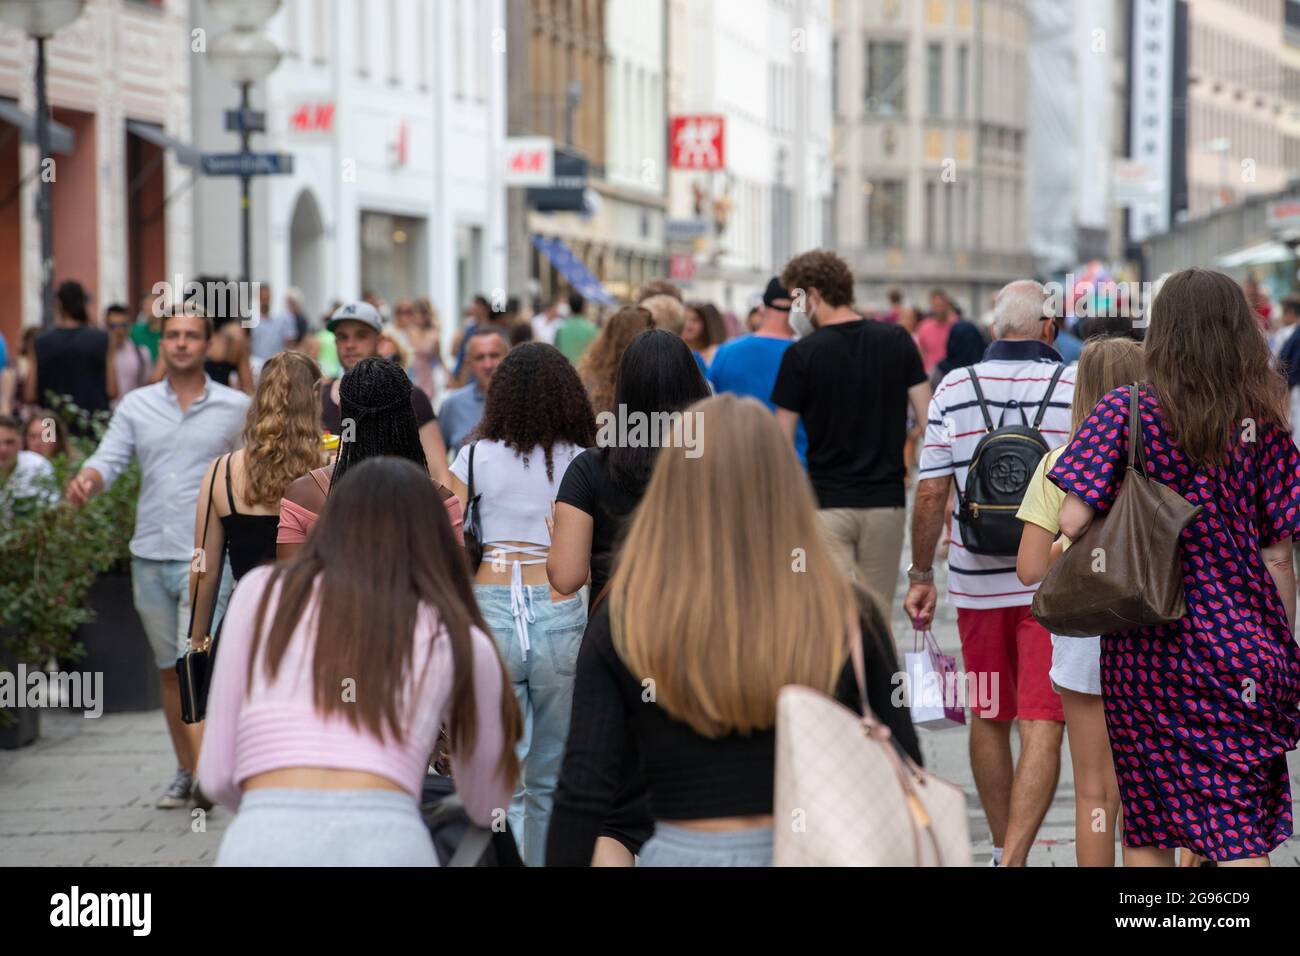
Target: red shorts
x=1015, y=651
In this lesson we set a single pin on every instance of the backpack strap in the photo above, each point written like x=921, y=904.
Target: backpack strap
x=1051, y=390
x=979, y=397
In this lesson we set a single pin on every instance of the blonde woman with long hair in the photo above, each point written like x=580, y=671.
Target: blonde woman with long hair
x=239, y=499
x=725, y=591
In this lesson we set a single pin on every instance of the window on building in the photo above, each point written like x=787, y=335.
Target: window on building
x=363, y=45
x=886, y=77
x=835, y=77
x=930, y=213
x=934, y=79
x=394, y=43
x=963, y=78
x=320, y=31
x=885, y=211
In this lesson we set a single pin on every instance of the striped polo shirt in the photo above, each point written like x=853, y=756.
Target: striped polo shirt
x=1014, y=372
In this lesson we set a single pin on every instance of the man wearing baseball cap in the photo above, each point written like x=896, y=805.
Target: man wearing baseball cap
x=748, y=365
x=356, y=327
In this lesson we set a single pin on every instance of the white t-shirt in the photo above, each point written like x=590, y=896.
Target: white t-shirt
x=516, y=494
x=956, y=426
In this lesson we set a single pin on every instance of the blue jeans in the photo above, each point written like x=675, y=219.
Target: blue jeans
x=540, y=648
x=161, y=591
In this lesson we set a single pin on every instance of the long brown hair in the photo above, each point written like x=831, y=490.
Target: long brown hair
x=713, y=328
x=382, y=550
x=598, y=368
x=1106, y=363
x=726, y=590
x=282, y=434
x=1210, y=364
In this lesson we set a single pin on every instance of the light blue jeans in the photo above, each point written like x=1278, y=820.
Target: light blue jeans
x=161, y=593
x=539, y=643
x=678, y=847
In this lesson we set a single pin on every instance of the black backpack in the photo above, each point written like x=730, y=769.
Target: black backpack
x=1004, y=461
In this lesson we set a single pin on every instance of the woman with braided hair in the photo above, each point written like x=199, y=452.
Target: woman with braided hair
x=377, y=420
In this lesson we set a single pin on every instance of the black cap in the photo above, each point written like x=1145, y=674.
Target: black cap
x=776, y=297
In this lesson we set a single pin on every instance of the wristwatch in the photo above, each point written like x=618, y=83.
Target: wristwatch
x=919, y=577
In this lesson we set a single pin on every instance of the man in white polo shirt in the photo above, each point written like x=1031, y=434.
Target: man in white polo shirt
x=998, y=634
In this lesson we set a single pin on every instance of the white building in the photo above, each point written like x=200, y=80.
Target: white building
x=394, y=111
x=765, y=67
x=1070, y=143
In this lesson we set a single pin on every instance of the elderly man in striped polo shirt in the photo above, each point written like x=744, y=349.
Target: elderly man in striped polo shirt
x=998, y=634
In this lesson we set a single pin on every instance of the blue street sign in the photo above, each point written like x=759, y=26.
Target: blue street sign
x=247, y=164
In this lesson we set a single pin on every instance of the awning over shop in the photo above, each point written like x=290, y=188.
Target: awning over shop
x=61, y=138
x=186, y=154
x=1259, y=254
x=573, y=270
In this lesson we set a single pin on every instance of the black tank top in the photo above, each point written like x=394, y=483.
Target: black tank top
x=250, y=539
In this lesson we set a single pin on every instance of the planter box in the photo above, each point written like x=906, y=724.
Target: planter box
x=23, y=731
x=116, y=644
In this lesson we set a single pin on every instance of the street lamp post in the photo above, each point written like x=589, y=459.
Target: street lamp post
x=40, y=19
x=245, y=57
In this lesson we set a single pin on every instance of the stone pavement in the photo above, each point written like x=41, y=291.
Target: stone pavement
x=83, y=793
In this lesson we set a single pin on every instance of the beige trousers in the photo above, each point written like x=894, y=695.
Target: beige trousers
x=868, y=542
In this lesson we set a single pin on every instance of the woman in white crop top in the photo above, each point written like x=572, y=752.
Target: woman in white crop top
x=537, y=419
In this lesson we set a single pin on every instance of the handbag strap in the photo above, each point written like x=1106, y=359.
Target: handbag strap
x=194, y=592
x=470, y=490
x=1135, y=430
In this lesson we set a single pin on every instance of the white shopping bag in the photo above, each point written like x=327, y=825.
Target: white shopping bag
x=933, y=686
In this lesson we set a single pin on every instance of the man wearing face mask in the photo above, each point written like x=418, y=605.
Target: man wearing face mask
x=850, y=380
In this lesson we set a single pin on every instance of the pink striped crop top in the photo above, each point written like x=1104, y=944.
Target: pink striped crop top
x=273, y=725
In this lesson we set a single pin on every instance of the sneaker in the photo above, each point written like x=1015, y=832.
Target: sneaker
x=200, y=798
x=177, y=793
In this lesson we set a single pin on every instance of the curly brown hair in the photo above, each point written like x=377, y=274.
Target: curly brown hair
x=282, y=437
x=536, y=400
x=824, y=271
x=598, y=368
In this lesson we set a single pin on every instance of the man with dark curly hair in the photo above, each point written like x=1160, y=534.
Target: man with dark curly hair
x=850, y=382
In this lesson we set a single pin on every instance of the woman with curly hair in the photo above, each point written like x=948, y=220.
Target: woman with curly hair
x=598, y=368
x=377, y=419
x=536, y=421
x=239, y=498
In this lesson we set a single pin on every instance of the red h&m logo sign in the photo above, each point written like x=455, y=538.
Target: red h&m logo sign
x=312, y=118
x=698, y=142
x=681, y=267
x=530, y=161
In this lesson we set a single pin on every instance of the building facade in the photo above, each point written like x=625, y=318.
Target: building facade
x=589, y=75
x=118, y=82
x=394, y=112
x=931, y=107
x=764, y=67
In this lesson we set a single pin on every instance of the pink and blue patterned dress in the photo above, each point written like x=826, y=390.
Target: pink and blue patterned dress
x=1201, y=713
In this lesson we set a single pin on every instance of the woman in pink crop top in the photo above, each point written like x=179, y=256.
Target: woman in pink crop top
x=336, y=671
x=375, y=406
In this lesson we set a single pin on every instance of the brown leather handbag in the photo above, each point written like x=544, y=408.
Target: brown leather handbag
x=1126, y=570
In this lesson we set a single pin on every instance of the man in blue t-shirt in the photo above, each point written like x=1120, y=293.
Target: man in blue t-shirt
x=748, y=365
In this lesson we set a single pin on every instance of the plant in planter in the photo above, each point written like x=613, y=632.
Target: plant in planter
x=51, y=555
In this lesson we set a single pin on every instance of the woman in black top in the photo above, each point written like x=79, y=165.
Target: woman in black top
x=723, y=593
x=601, y=489
x=657, y=374
x=239, y=499
x=228, y=354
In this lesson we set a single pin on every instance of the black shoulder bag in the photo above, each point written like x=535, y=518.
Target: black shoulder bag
x=471, y=523
x=194, y=668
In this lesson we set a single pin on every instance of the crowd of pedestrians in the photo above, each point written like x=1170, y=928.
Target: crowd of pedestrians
x=590, y=633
